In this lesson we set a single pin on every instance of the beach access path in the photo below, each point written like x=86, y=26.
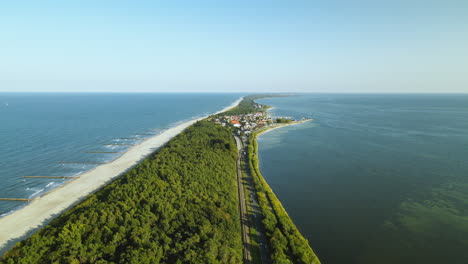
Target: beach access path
x=41, y=210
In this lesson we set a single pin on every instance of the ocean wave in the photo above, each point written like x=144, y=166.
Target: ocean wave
x=78, y=173
x=36, y=193
x=7, y=213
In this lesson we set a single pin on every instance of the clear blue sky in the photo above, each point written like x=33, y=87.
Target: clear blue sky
x=299, y=46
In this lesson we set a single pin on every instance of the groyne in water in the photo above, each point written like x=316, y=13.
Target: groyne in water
x=15, y=199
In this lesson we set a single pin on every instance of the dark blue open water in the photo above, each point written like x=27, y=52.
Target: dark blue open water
x=39, y=130
x=375, y=178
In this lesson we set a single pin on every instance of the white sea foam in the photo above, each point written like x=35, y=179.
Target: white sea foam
x=36, y=193
x=7, y=213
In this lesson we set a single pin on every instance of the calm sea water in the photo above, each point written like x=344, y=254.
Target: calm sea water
x=39, y=130
x=375, y=178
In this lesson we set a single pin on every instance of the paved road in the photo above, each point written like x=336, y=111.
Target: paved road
x=255, y=213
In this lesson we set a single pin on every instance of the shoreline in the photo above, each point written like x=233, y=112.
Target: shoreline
x=41, y=210
x=273, y=209
x=271, y=128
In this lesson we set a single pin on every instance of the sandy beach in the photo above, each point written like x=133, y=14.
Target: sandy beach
x=25, y=221
x=271, y=128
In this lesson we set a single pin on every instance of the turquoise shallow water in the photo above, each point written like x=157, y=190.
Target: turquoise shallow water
x=39, y=130
x=375, y=178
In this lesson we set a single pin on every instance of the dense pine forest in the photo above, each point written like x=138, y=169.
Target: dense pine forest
x=179, y=205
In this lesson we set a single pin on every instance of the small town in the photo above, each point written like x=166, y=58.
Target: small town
x=247, y=123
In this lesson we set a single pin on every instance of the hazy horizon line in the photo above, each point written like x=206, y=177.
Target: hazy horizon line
x=229, y=92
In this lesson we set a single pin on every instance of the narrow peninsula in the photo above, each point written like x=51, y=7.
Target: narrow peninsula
x=200, y=198
x=273, y=237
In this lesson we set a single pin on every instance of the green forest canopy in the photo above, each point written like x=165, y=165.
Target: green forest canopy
x=179, y=205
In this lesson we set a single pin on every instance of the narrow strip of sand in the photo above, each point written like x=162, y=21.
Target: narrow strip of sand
x=25, y=221
x=273, y=127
